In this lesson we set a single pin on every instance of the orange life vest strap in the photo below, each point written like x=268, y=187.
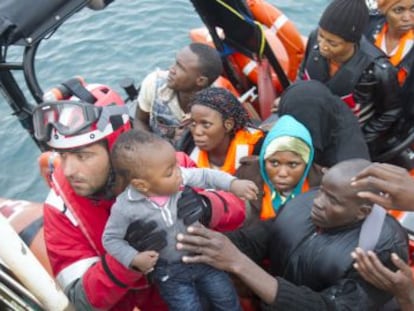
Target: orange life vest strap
x=242, y=137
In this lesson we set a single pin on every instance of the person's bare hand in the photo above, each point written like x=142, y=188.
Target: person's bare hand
x=400, y=283
x=394, y=183
x=145, y=261
x=209, y=247
x=245, y=189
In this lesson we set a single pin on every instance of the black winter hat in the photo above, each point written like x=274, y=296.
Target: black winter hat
x=346, y=19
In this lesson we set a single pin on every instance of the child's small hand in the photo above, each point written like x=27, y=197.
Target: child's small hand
x=245, y=189
x=145, y=261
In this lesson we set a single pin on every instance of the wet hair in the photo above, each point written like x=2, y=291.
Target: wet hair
x=209, y=60
x=127, y=153
x=225, y=103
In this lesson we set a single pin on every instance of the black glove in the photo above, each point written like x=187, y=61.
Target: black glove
x=143, y=236
x=192, y=206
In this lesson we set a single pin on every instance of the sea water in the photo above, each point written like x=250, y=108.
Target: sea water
x=129, y=38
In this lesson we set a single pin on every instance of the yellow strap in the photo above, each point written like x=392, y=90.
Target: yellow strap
x=262, y=37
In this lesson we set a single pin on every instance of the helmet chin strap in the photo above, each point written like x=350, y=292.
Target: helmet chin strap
x=106, y=192
x=110, y=184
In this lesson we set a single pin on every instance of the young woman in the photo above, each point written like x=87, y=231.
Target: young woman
x=285, y=159
x=281, y=169
x=220, y=131
x=392, y=32
x=338, y=55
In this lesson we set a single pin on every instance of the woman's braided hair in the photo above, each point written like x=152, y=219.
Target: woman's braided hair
x=225, y=103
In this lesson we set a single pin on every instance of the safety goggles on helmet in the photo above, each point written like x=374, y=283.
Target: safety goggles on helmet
x=69, y=118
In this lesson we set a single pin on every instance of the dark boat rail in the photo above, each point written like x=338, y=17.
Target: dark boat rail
x=21, y=25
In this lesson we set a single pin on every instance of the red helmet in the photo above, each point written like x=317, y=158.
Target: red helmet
x=73, y=123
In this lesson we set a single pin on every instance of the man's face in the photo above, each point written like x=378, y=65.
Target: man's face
x=87, y=169
x=336, y=203
x=184, y=74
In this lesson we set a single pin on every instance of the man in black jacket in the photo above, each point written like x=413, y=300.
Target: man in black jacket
x=308, y=246
x=338, y=55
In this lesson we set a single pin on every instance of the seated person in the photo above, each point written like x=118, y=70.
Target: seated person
x=284, y=163
x=163, y=100
x=392, y=31
x=220, y=131
x=339, y=56
x=149, y=165
x=308, y=245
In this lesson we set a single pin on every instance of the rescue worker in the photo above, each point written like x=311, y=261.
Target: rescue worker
x=82, y=193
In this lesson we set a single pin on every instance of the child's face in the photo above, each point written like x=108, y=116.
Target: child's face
x=284, y=169
x=163, y=176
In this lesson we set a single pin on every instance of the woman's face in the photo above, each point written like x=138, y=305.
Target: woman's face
x=284, y=169
x=208, y=128
x=400, y=16
x=333, y=47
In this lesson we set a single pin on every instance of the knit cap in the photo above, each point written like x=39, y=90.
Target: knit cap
x=346, y=19
x=385, y=5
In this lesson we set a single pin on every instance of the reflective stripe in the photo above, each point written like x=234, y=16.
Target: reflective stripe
x=56, y=201
x=241, y=151
x=75, y=271
x=365, y=114
x=250, y=66
x=279, y=23
x=366, y=111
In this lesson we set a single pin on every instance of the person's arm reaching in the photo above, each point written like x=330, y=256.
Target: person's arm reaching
x=224, y=255
x=400, y=282
x=276, y=293
x=222, y=211
x=394, y=183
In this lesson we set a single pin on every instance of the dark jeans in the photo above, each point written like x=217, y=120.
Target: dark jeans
x=184, y=286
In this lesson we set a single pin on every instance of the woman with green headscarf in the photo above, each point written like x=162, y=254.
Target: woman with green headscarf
x=284, y=162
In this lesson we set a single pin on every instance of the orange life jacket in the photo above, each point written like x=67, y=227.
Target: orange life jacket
x=267, y=210
x=241, y=145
